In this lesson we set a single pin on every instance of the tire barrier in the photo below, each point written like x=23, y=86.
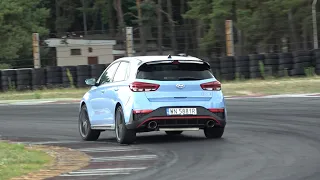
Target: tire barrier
x=215, y=66
x=54, y=76
x=255, y=62
x=242, y=67
x=271, y=64
x=69, y=76
x=24, y=79
x=227, y=68
x=38, y=78
x=317, y=62
x=314, y=58
x=8, y=79
x=301, y=60
x=97, y=70
x=285, y=64
x=83, y=73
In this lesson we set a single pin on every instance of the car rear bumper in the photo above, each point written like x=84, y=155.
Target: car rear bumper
x=140, y=121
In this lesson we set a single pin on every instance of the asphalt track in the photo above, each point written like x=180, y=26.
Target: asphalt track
x=265, y=139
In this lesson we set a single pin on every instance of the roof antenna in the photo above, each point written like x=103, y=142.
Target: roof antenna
x=169, y=56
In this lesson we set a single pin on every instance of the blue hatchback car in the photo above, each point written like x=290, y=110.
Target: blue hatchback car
x=153, y=93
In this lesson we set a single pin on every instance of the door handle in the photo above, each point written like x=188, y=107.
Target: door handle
x=116, y=89
x=103, y=91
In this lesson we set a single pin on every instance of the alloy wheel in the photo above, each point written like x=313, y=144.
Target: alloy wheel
x=84, y=124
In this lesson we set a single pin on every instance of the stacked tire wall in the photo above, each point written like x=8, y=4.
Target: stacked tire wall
x=254, y=66
x=317, y=62
x=8, y=79
x=227, y=68
x=24, y=79
x=285, y=64
x=215, y=66
x=301, y=61
x=242, y=67
x=38, y=78
x=83, y=73
x=97, y=70
x=255, y=61
x=54, y=76
x=271, y=64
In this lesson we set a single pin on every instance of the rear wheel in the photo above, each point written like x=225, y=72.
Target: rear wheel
x=123, y=135
x=84, y=125
x=171, y=133
x=213, y=133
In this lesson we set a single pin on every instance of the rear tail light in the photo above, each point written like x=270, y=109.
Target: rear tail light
x=142, y=87
x=142, y=111
x=216, y=110
x=211, y=86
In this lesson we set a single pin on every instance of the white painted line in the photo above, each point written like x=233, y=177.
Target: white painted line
x=104, y=172
x=52, y=142
x=110, y=170
x=111, y=149
x=31, y=103
x=121, y=158
x=275, y=96
x=93, y=174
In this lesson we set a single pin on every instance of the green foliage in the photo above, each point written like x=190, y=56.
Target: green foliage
x=18, y=20
x=70, y=78
x=310, y=71
x=5, y=66
x=264, y=21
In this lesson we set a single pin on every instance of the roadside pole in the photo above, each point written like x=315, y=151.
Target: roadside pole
x=129, y=41
x=229, y=38
x=36, y=50
x=314, y=22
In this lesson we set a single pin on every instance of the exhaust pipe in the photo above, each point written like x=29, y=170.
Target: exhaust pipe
x=152, y=125
x=210, y=123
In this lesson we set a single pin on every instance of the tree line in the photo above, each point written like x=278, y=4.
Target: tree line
x=189, y=26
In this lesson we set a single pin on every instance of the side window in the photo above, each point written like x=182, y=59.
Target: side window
x=121, y=73
x=108, y=74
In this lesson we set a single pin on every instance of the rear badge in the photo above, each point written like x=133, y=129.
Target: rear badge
x=180, y=86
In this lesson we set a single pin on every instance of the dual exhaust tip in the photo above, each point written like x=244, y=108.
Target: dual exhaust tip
x=152, y=125
x=210, y=124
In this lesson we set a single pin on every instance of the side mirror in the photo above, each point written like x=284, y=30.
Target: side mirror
x=91, y=81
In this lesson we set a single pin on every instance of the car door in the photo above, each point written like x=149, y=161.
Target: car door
x=121, y=86
x=101, y=114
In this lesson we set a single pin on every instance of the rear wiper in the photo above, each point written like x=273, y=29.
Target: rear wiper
x=188, y=78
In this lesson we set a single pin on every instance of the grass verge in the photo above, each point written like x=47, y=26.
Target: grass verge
x=232, y=88
x=16, y=160
x=273, y=86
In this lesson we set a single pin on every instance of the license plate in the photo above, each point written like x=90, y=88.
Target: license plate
x=182, y=111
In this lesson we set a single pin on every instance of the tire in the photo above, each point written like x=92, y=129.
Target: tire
x=123, y=135
x=213, y=133
x=86, y=133
x=301, y=53
x=172, y=133
x=227, y=62
x=285, y=55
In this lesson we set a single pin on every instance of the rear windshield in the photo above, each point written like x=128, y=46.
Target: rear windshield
x=174, y=72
